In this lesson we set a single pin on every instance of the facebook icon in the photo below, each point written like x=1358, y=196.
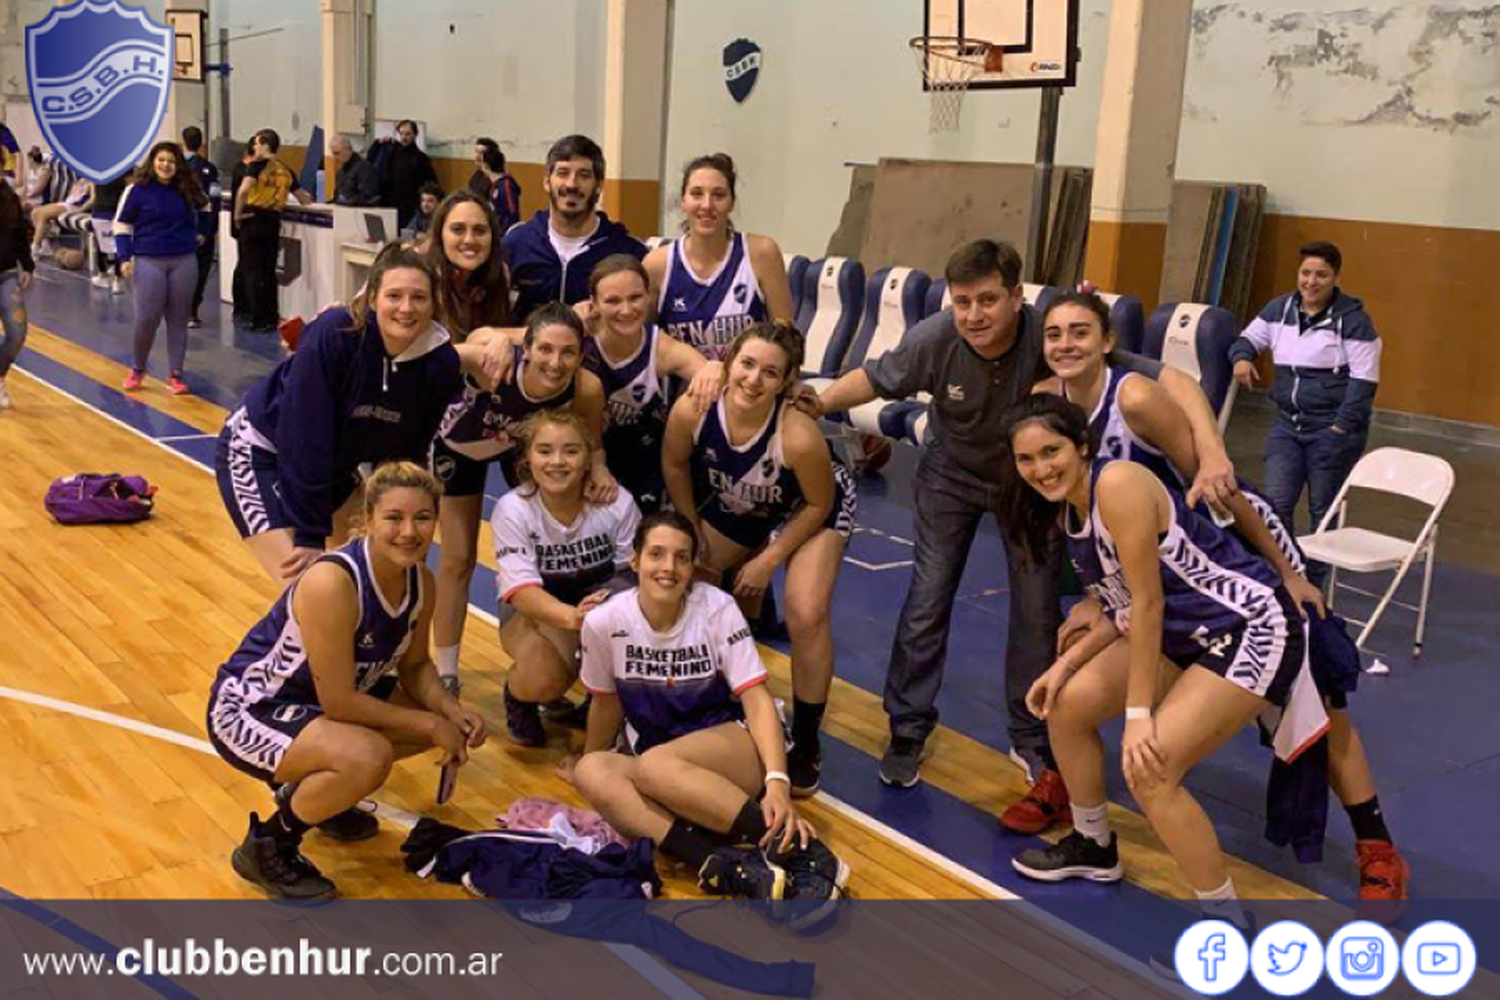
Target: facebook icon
x=1212, y=957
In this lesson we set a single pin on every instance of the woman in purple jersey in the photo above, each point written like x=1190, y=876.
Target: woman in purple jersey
x=479, y=428
x=473, y=296
x=762, y=487
x=1212, y=641
x=633, y=359
x=674, y=663
x=714, y=282
x=1078, y=345
x=335, y=684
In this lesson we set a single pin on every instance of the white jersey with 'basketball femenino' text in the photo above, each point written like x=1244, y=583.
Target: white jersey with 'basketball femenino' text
x=675, y=682
x=569, y=561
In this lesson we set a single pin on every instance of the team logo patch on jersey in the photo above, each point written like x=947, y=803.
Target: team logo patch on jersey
x=740, y=293
x=741, y=68
x=99, y=75
x=289, y=713
x=680, y=304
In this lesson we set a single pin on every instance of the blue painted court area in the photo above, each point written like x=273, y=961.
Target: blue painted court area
x=1428, y=724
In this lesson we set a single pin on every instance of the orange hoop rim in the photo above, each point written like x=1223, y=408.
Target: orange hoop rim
x=968, y=51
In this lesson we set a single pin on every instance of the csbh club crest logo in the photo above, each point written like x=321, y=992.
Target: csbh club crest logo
x=741, y=68
x=100, y=74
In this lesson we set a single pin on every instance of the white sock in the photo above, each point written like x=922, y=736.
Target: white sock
x=1222, y=904
x=446, y=658
x=1092, y=822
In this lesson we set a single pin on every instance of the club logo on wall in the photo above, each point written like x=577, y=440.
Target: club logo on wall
x=99, y=75
x=741, y=68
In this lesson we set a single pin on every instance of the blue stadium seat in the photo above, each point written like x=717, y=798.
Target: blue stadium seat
x=1196, y=339
x=1127, y=317
x=796, y=270
x=894, y=302
x=834, y=289
x=937, y=297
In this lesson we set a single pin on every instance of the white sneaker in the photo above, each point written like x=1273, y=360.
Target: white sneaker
x=116, y=286
x=4, y=396
x=99, y=281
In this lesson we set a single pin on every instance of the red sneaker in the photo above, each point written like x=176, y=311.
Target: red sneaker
x=177, y=385
x=133, y=380
x=1045, y=804
x=1383, y=880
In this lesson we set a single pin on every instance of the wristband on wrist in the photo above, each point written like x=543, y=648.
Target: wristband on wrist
x=1137, y=713
x=777, y=776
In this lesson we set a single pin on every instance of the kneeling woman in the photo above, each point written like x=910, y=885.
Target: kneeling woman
x=557, y=554
x=1184, y=589
x=674, y=661
x=763, y=489
x=335, y=684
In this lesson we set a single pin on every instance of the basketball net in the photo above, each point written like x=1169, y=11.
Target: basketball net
x=948, y=65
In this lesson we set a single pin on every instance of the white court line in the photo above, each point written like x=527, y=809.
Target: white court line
x=185, y=437
x=954, y=868
x=644, y=964
x=876, y=567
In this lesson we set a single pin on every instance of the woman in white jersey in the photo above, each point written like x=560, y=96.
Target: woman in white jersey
x=557, y=554
x=674, y=663
x=715, y=281
x=1133, y=417
x=760, y=483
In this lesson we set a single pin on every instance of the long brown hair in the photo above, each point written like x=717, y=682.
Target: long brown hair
x=467, y=301
x=184, y=181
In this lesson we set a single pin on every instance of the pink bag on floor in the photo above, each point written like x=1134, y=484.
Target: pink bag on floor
x=536, y=814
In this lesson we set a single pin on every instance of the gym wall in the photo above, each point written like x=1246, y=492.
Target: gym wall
x=1373, y=124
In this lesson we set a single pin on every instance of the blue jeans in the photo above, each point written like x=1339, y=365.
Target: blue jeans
x=12, y=319
x=949, y=506
x=1318, y=460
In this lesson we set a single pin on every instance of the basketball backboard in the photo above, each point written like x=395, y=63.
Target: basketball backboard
x=187, y=63
x=1039, y=38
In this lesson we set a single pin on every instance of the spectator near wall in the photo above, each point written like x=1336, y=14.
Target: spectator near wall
x=407, y=168
x=358, y=183
x=208, y=182
x=1327, y=358
x=491, y=182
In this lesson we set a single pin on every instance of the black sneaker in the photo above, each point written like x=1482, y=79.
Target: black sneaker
x=279, y=870
x=566, y=713
x=1163, y=961
x=901, y=766
x=816, y=878
x=350, y=826
x=523, y=721
x=744, y=874
x=1075, y=856
x=805, y=768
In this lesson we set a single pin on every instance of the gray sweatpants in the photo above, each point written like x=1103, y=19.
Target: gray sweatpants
x=164, y=288
x=12, y=319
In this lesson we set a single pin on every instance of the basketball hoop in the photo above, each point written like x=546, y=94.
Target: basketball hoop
x=948, y=66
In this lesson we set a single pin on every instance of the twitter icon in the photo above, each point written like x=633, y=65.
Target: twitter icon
x=1287, y=958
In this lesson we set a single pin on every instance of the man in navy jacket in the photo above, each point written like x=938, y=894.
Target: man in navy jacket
x=552, y=254
x=1327, y=358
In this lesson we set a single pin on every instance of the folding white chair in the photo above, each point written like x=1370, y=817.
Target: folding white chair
x=1411, y=474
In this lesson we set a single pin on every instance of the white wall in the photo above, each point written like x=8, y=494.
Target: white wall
x=523, y=71
x=1386, y=110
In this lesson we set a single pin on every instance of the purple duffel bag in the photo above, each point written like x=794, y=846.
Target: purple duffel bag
x=100, y=498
